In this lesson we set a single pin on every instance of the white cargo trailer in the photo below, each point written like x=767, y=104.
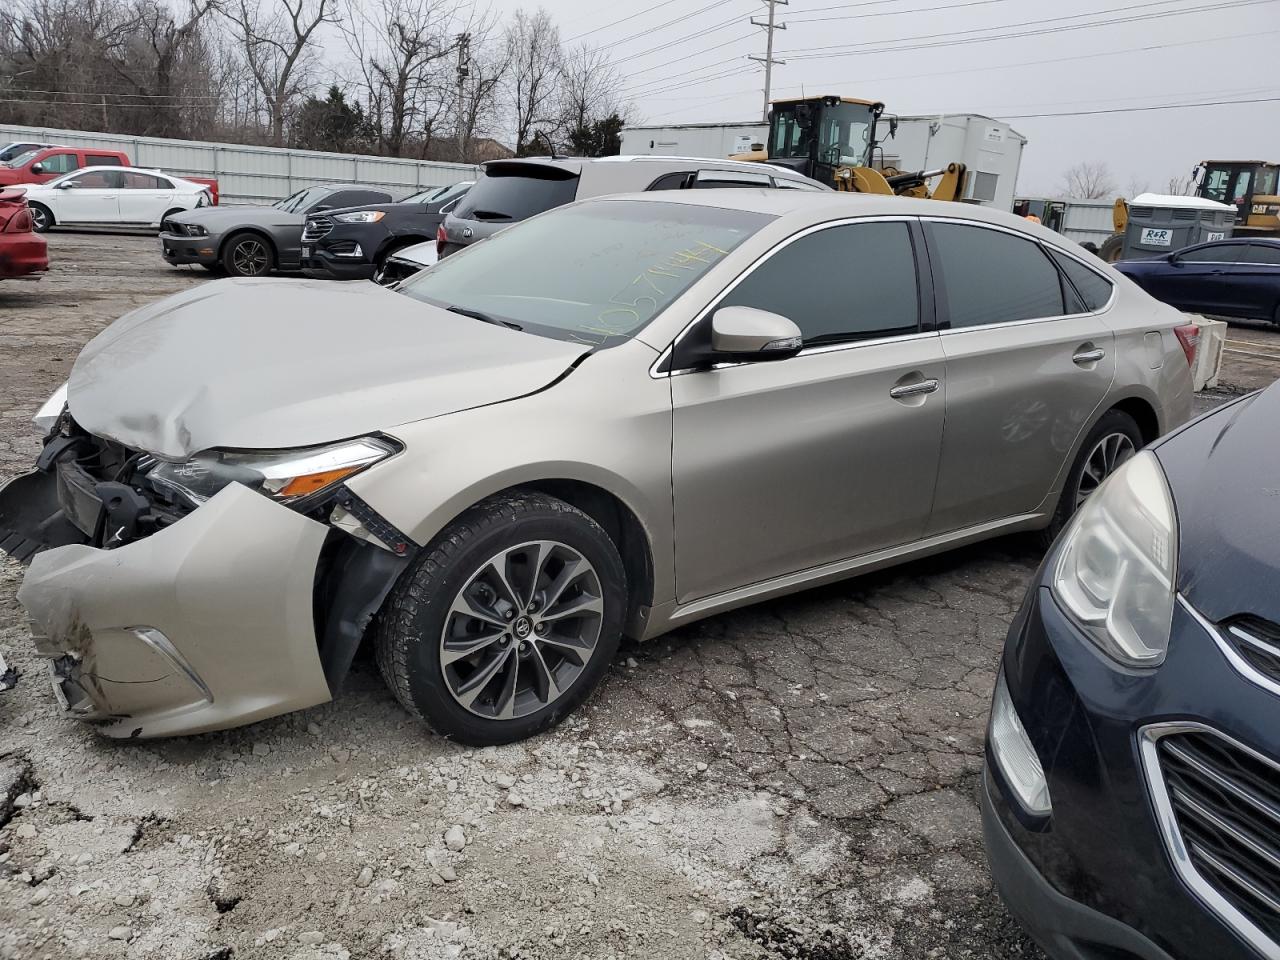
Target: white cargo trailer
x=991, y=149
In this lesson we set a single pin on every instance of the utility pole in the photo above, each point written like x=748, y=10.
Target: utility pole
x=464, y=70
x=767, y=59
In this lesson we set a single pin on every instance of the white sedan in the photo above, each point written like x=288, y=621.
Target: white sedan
x=112, y=196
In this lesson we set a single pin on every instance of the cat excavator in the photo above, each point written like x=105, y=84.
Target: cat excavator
x=833, y=140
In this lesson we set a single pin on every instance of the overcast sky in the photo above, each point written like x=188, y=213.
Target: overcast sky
x=696, y=70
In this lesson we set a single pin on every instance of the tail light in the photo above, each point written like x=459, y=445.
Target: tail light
x=1189, y=337
x=20, y=222
x=442, y=239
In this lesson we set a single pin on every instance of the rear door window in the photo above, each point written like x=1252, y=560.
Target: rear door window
x=1094, y=289
x=1216, y=253
x=517, y=193
x=849, y=282
x=145, y=181
x=1264, y=253
x=989, y=276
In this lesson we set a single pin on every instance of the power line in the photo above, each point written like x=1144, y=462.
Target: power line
x=669, y=23
x=673, y=43
x=813, y=53
x=1165, y=106
x=893, y=13
x=656, y=6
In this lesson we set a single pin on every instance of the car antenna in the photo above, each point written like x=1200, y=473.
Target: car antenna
x=550, y=146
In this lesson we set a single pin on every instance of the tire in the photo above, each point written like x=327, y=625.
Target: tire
x=380, y=264
x=451, y=597
x=41, y=217
x=248, y=255
x=1109, y=252
x=1116, y=428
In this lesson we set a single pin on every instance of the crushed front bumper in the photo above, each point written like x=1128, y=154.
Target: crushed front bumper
x=204, y=625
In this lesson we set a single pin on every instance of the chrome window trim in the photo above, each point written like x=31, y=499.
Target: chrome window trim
x=1166, y=821
x=1096, y=272
x=1239, y=663
x=1044, y=248
x=755, y=265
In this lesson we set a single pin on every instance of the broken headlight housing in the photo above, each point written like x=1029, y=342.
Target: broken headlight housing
x=1116, y=568
x=288, y=476
x=46, y=417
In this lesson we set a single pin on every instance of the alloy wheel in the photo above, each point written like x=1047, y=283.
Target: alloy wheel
x=1107, y=455
x=39, y=220
x=521, y=630
x=250, y=258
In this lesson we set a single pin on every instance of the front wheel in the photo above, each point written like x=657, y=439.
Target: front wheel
x=1111, y=247
x=248, y=255
x=1113, y=440
x=507, y=621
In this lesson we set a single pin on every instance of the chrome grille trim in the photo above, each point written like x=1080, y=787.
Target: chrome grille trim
x=1228, y=648
x=316, y=228
x=1183, y=853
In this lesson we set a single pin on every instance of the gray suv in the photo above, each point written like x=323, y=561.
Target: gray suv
x=509, y=191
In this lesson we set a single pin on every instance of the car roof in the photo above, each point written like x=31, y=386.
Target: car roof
x=652, y=162
x=835, y=205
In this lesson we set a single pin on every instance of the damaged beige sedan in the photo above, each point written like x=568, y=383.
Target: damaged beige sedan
x=612, y=419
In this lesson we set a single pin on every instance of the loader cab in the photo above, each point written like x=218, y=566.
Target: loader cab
x=817, y=136
x=1239, y=183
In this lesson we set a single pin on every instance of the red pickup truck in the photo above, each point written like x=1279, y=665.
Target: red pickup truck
x=22, y=250
x=41, y=166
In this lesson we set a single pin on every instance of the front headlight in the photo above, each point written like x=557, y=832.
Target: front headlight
x=284, y=475
x=1115, y=573
x=195, y=230
x=361, y=216
x=46, y=417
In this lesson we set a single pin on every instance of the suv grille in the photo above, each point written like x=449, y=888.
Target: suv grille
x=1225, y=802
x=1258, y=643
x=316, y=228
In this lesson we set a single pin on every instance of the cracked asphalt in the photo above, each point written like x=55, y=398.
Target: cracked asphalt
x=795, y=779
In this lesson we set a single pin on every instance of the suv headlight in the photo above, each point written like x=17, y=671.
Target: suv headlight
x=360, y=216
x=284, y=475
x=1116, y=569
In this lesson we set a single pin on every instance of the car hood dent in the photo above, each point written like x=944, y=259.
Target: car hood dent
x=272, y=363
x=1225, y=476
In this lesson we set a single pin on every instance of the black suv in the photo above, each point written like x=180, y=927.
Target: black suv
x=353, y=243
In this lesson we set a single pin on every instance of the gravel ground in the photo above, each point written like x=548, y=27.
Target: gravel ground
x=796, y=779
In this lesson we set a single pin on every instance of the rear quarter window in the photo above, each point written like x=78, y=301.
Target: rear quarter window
x=102, y=160
x=505, y=195
x=1093, y=288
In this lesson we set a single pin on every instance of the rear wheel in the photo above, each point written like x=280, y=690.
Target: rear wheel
x=1110, y=249
x=1113, y=440
x=41, y=217
x=507, y=621
x=248, y=255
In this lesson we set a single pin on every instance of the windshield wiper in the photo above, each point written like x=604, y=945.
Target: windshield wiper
x=477, y=315
x=489, y=215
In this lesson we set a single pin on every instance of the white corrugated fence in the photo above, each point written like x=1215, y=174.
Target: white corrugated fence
x=256, y=174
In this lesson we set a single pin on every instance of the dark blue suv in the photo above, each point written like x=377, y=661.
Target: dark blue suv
x=1131, y=797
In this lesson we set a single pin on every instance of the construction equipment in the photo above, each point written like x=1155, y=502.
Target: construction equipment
x=1251, y=185
x=833, y=140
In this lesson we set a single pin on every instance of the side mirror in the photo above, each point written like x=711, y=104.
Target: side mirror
x=37, y=168
x=65, y=185
x=747, y=334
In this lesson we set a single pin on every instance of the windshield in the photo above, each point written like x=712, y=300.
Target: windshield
x=843, y=132
x=22, y=159
x=300, y=200
x=594, y=273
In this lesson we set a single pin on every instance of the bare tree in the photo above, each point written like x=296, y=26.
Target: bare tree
x=278, y=49
x=399, y=44
x=533, y=53
x=1137, y=185
x=478, y=106
x=1181, y=186
x=1088, y=181
x=590, y=88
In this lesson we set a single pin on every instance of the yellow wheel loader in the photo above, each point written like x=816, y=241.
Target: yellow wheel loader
x=833, y=140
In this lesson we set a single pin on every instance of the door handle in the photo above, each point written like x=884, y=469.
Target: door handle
x=916, y=389
x=1089, y=356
